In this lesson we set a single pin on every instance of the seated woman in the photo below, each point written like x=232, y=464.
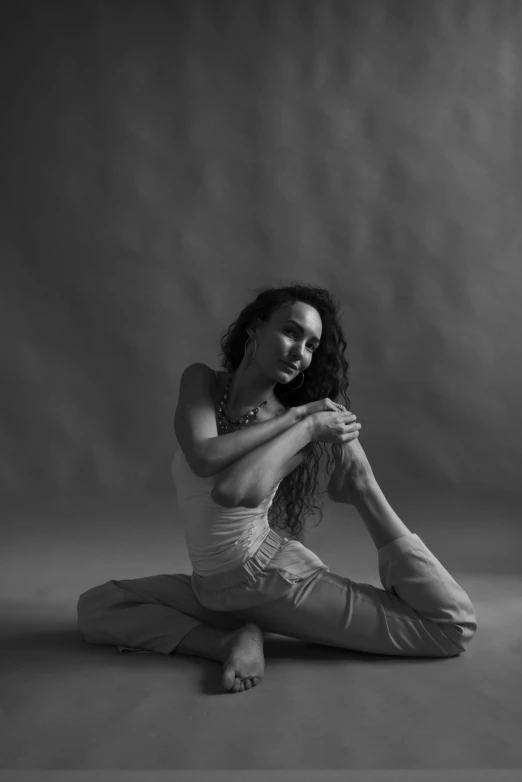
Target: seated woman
x=249, y=441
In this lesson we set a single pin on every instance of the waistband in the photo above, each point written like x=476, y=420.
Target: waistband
x=238, y=575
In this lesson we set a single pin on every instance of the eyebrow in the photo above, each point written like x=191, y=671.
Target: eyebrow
x=301, y=329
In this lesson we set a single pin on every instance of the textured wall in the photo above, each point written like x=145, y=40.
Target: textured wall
x=162, y=160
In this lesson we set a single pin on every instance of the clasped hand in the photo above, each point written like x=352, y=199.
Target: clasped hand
x=330, y=422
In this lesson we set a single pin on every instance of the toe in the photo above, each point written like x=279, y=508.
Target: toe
x=248, y=684
x=228, y=677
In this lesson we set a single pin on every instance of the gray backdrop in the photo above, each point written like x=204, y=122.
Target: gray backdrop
x=163, y=160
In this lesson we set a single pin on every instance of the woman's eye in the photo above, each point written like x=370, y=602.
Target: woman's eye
x=289, y=331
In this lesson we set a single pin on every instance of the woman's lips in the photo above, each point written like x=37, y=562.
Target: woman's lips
x=289, y=367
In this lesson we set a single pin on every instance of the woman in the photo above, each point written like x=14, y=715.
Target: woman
x=248, y=438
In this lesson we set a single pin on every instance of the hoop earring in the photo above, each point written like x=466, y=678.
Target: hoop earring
x=294, y=388
x=255, y=349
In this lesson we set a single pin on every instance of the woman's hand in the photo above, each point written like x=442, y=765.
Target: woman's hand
x=334, y=427
x=329, y=421
x=319, y=406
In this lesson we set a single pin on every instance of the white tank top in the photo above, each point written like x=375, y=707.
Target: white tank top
x=218, y=539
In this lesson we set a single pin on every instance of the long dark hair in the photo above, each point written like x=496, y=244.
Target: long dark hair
x=327, y=376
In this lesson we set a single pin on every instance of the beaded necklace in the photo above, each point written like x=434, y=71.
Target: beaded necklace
x=225, y=424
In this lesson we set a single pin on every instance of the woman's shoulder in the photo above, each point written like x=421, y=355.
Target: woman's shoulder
x=199, y=366
x=216, y=377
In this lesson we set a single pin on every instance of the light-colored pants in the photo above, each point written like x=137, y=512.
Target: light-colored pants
x=286, y=589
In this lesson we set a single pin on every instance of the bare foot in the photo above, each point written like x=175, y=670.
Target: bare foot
x=244, y=661
x=352, y=470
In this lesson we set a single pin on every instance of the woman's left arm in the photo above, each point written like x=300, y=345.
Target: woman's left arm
x=285, y=470
x=297, y=459
x=249, y=480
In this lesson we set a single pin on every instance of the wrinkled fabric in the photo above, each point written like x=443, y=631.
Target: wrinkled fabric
x=285, y=588
x=217, y=538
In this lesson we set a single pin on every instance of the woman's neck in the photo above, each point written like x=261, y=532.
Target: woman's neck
x=248, y=390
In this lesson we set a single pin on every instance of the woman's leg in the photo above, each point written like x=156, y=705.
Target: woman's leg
x=421, y=612
x=161, y=614
x=418, y=579
x=353, y=483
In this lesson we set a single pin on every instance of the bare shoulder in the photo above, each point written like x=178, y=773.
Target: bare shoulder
x=214, y=379
x=198, y=369
x=198, y=366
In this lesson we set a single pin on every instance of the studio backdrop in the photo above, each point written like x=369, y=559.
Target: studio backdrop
x=162, y=161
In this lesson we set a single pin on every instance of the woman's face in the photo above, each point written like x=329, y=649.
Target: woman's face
x=291, y=335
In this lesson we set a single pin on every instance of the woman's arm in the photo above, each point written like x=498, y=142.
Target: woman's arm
x=250, y=479
x=225, y=450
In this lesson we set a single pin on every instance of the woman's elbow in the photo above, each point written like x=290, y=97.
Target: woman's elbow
x=226, y=499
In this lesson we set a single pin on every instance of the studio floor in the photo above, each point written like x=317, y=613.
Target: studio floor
x=67, y=704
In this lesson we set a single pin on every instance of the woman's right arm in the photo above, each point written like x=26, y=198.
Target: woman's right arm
x=195, y=425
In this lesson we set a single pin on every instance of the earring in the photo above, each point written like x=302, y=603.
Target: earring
x=255, y=349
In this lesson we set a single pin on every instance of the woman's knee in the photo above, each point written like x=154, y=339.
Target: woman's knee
x=463, y=627
x=93, y=609
x=461, y=635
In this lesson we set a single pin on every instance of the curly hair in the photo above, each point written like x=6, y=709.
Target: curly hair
x=327, y=376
